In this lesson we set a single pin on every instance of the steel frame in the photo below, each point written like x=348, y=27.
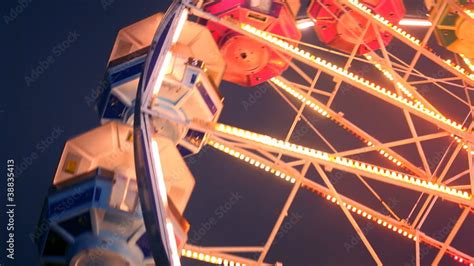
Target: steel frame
x=402, y=73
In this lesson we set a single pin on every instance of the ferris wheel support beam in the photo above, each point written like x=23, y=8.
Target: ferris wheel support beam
x=410, y=69
x=267, y=165
x=453, y=156
x=377, y=173
x=373, y=58
x=385, y=66
x=348, y=62
x=431, y=80
x=434, y=81
x=451, y=236
x=338, y=118
x=307, y=88
x=397, y=79
x=446, y=81
x=409, y=119
x=349, y=216
x=308, y=122
x=430, y=201
x=281, y=217
x=442, y=6
x=377, y=196
x=393, y=144
x=291, y=197
x=470, y=159
x=408, y=40
x=332, y=70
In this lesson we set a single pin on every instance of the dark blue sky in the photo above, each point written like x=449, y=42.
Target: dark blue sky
x=52, y=105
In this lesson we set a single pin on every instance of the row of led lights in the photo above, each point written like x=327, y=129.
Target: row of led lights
x=368, y=168
x=463, y=260
x=406, y=35
x=300, y=97
x=251, y=161
x=469, y=12
x=390, y=77
x=324, y=113
x=407, y=93
x=379, y=220
x=373, y=218
x=366, y=83
x=386, y=224
x=468, y=62
x=459, y=141
x=385, y=154
x=209, y=258
x=400, y=177
x=354, y=209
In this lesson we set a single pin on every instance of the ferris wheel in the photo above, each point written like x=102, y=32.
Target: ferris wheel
x=260, y=42
x=400, y=86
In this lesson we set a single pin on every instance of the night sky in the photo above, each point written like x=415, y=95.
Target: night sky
x=42, y=110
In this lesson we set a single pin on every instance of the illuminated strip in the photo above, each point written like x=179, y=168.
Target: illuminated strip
x=406, y=36
x=213, y=259
x=160, y=179
x=462, y=260
x=162, y=72
x=322, y=110
x=305, y=23
x=361, y=82
x=319, y=108
x=468, y=62
x=205, y=257
x=252, y=161
x=410, y=95
x=164, y=198
x=372, y=171
x=415, y=22
x=391, y=78
x=469, y=12
x=400, y=83
x=326, y=194
x=357, y=208
x=379, y=220
x=464, y=145
x=179, y=27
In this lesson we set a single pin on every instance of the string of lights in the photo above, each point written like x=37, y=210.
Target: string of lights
x=366, y=85
x=346, y=164
x=405, y=36
x=382, y=220
x=201, y=255
x=326, y=112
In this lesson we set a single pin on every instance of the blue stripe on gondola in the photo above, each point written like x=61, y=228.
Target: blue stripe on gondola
x=127, y=74
x=156, y=51
x=66, y=202
x=210, y=104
